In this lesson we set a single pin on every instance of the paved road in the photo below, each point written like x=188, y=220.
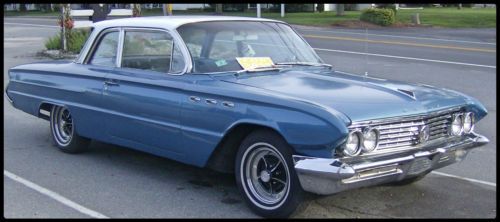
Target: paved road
x=118, y=182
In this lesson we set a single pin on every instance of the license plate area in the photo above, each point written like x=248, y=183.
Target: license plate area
x=420, y=165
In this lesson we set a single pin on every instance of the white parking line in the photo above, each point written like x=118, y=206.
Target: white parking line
x=465, y=178
x=407, y=58
x=34, y=25
x=54, y=196
x=401, y=36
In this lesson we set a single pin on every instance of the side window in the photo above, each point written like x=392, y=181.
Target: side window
x=105, y=53
x=151, y=50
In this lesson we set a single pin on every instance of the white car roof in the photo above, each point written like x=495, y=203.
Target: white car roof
x=170, y=22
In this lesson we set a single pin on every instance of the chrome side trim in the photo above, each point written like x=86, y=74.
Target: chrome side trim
x=227, y=104
x=327, y=176
x=211, y=101
x=194, y=98
x=8, y=98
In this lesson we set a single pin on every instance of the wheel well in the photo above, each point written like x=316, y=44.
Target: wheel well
x=44, y=111
x=223, y=157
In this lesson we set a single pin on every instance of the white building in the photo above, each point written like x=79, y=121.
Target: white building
x=333, y=7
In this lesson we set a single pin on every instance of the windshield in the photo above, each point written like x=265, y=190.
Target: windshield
x=215, y=46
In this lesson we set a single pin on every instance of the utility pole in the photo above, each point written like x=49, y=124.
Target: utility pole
x=282, y=10
x=63, y=29
x=258, y=10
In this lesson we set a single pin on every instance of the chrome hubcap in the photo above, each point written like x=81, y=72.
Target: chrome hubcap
x=266, y=175
x=62, y=125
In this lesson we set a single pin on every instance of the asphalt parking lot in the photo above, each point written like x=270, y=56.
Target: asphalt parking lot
x=111, y=181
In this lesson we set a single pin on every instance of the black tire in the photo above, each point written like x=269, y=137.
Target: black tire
x=409, y=180
x=64, y=136
x=267, y=153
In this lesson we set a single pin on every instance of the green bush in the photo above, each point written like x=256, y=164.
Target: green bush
x=383, y=17
x=75, y=43
x=388, y=6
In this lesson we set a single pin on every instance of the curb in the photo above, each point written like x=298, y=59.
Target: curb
x=56, y=54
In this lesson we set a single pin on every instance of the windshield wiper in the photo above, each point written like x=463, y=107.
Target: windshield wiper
x=276, y=66
x=304, y=64
x=260, y=69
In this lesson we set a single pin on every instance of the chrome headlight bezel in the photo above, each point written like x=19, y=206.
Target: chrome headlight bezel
x=457, y=117
x=366, y=131
x=469, y=117
x=357, y=150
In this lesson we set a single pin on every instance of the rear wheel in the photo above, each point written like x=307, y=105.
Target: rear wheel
x=265, y=175
x=63, y=131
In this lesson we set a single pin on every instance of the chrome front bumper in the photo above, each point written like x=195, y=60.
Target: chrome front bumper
x=327, y=176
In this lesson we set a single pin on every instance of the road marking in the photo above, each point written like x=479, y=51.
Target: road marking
x=401, y=36
x=54, y=196
x=45, y=26
x=465, y=178
x=400, y=43
x=408, y=58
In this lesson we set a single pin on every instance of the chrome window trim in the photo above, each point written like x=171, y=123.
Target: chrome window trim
x=91, y=50
x=175, y=38
x=171, y=55
x=90, y=45
x=121, y=40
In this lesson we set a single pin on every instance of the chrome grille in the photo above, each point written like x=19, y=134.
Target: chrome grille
x=403, y=132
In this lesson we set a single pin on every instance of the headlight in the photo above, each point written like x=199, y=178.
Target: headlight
x=352, y=146
x=457, y=127
x=468, y=122
x=370, y=139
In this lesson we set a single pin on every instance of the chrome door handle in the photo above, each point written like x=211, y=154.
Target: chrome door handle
x=194, y=98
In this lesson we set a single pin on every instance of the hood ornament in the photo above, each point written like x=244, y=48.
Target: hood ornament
x=408, y=93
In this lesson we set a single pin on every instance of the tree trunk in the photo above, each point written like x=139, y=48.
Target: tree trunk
x=340, y=9
x=218, y=9
x=136, y=10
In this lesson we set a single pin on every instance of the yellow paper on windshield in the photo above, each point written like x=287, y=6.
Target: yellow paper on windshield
x=254, y=62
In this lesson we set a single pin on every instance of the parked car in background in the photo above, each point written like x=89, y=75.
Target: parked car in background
x=247, y=96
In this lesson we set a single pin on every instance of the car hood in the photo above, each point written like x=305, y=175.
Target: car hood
x=358, y=97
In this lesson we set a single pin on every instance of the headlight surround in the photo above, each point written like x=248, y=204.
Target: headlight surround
x=370, y=139
x=469, y=122
x=457, y=126
x=352, y=147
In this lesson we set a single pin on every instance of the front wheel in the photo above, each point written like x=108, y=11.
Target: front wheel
x=265, y=175
x=63, y=131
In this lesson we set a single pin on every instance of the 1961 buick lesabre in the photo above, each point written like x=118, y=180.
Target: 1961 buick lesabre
x=248, y=96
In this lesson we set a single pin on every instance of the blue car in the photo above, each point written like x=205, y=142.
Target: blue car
x=246, y=96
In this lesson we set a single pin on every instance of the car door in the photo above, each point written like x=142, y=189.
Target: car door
x=144, y=93
x=100, y=61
